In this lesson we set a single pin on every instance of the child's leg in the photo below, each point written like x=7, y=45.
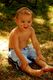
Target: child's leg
x=33, y=72
x=44, y=65
x=41, y=63
x=32, y=55
x=27, y=69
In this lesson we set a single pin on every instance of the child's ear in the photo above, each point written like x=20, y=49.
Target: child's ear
x=16, y=20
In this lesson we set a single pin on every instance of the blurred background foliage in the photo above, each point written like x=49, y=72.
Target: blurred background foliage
x=43, y=15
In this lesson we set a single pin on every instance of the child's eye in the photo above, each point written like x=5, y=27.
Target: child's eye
x=28, y=21
x=23, y=21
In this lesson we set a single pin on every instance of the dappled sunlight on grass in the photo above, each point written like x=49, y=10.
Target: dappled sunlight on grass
x=4, y=47
x=47, y=51
x=2, y=5
x=47, y=45
x=50, y=17
x=4, y=43
x=51, y=21
x=2, y=15
x=50, y=12
x=4, y=34
x=39, y=20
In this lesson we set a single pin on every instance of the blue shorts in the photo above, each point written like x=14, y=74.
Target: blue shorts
x=29, y=53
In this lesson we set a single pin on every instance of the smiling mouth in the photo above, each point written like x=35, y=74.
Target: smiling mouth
x=25, y=27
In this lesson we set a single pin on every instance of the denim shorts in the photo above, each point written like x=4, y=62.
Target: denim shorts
x=29, y=53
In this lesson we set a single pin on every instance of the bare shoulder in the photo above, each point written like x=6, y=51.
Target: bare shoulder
x=13, y=32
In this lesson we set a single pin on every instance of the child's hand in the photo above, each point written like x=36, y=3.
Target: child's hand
x=23, y=65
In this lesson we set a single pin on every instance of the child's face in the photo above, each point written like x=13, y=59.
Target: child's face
x=24, y=21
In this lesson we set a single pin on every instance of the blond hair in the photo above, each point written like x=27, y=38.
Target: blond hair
x=23, y=10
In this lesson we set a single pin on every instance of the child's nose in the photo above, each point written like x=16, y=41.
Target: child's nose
x=25, y=24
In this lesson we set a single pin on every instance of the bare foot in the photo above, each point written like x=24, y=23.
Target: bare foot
x=39, y=73
x=34, y=72
x=48, y=69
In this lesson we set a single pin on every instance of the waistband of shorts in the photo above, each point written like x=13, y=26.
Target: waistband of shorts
x=10, y=49
x=25, y=48
x=22, y=48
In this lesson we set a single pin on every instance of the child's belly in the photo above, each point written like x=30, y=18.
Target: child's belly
x=22, y=46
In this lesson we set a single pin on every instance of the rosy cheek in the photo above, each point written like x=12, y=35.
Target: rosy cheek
x=21, y=26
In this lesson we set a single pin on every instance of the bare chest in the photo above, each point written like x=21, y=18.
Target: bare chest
x=24, y=37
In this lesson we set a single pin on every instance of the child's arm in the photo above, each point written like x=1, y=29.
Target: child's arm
x=36, y=45
x=24, y=63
